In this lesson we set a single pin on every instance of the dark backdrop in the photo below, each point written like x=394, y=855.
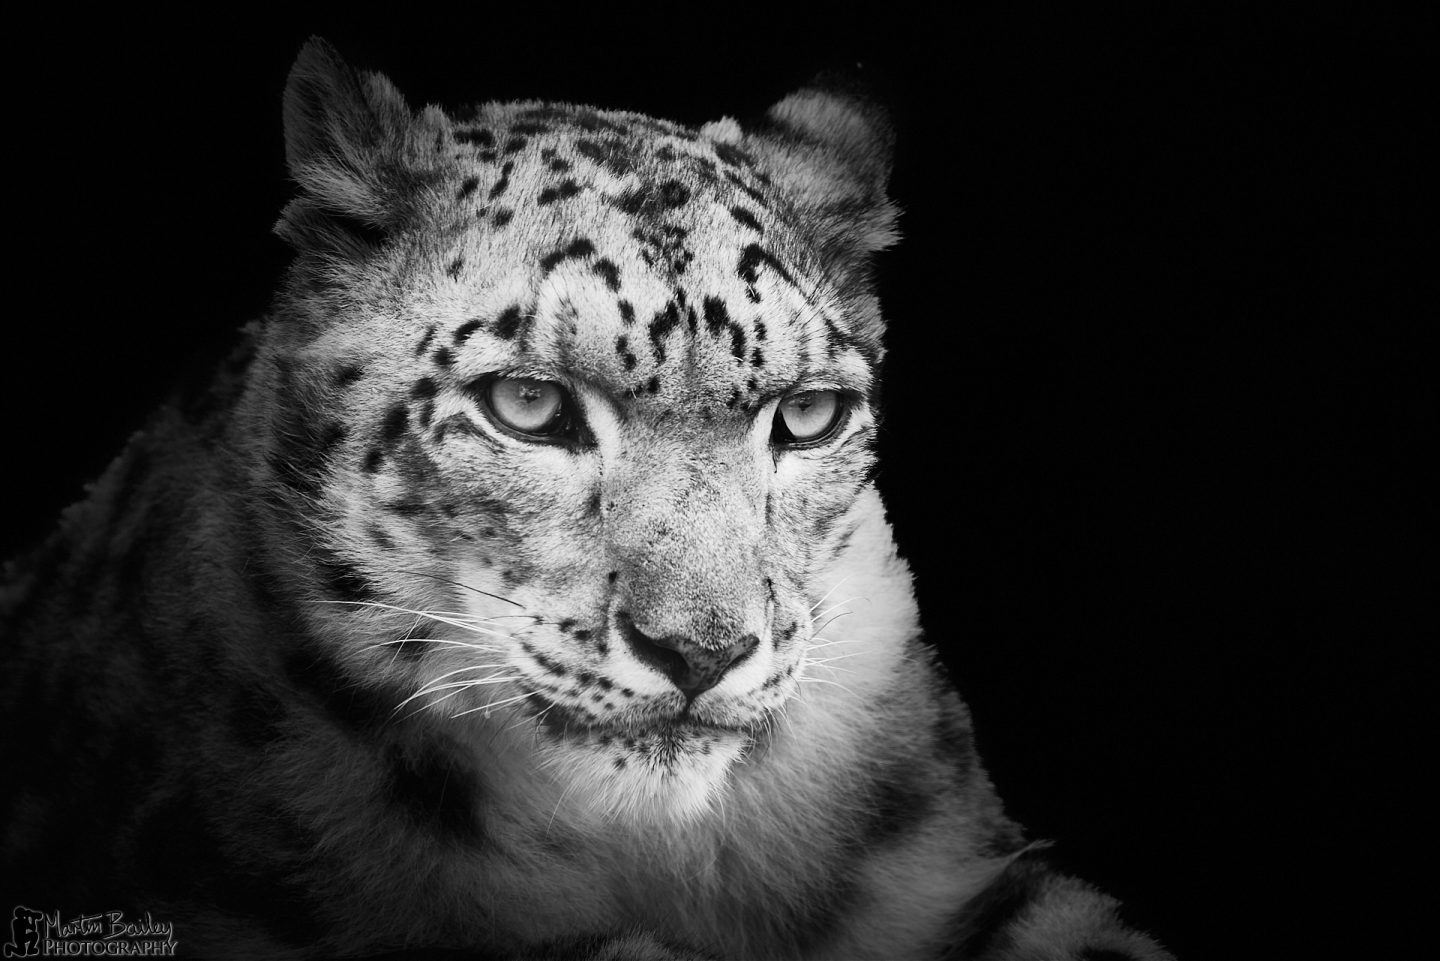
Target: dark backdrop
x=1154, y=404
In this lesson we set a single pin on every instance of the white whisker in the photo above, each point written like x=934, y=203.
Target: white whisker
x=452, y=621
x=827, y=594
x=821, y=680
x=833, y=657
x=487, y=708
x=430, y=640
x=828, y=642
x=832, y=620
x=832, y=607
x=432, y=686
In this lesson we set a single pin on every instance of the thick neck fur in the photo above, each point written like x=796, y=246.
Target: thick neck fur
x=517, y=838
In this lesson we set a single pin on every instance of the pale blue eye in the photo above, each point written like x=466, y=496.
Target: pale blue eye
x=526, y=405
x=806, y=416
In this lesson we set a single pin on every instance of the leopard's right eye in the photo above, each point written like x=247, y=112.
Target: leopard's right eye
x=527, y=406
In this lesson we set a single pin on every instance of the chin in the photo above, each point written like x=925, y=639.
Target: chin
x=674, y=772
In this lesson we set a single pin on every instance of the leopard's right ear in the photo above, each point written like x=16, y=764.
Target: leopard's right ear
x=350, y=143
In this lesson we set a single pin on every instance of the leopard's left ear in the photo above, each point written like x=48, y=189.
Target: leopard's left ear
x=833, y=148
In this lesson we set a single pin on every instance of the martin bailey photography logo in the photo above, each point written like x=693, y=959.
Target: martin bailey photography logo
x=108, y=934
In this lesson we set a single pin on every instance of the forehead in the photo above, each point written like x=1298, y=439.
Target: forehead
x=656, y=261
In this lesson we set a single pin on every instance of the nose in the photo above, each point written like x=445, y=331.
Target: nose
x=691, y=666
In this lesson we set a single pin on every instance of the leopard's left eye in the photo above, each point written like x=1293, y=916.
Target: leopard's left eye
x=807, y=417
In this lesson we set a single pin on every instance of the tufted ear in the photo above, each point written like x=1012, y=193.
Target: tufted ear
x=833, y=149
x=852, y=130
x=349, y=141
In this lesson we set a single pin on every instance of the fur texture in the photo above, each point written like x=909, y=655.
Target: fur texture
x=346, y=658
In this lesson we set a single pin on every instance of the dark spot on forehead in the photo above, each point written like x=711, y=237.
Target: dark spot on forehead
x=476, y=138
x=622, y=347
x=733, y=156
x=577, y=249
x=463, y=332
x=737, y=343
x=746, y=218
x=564, y=191
x=661, y=325
x=396, y=419
x=752, y=258
x=508, y=324
x=611, y=153
x=652, y=200
x=606, y=268
x=503, y=182
x=747, y=189
x=716, y=316
x=467, y=187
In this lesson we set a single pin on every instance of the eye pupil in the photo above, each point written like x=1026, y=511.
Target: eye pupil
x=807, y=416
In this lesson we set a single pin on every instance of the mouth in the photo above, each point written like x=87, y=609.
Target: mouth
x=567, y=723
x=661, y=759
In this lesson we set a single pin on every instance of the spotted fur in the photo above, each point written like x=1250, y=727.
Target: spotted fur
x=339, y=661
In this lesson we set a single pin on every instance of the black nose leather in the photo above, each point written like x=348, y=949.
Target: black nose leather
x=691, y=666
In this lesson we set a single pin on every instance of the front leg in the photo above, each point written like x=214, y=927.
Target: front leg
x=1030, y=912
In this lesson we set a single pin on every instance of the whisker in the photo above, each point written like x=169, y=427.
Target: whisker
x=429, y=704
x=462, y=670
x=434, y=686
x=832, y=590
x=842, y=670
x=454, y=583
x=487, y=708
x=459, y=686
x=468, y=616
x=833, y=607
x=820, y=680
x=830, y=642
x=453, y=622
x=833, y=657
x=429, y=640
x=832, y=620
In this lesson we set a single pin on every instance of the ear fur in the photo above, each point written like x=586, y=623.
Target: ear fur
x=850, y=130
x=349, y=144
x=833, y=150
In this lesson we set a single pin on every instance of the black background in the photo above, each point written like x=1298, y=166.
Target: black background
x=1155, y=404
